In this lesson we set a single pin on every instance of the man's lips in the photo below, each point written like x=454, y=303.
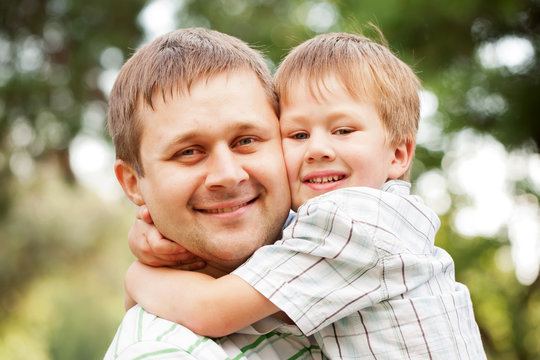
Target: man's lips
x=225, y=208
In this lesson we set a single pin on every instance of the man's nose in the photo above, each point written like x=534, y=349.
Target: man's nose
x=320, y=148
x=224, y=169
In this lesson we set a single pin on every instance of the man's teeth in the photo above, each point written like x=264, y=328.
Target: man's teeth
x=223, y=210
x=322, y=180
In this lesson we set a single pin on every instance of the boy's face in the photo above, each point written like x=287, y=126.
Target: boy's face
x=215, y=179
x=332, y=141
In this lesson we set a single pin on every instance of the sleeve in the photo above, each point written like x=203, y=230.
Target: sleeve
x=325, y=267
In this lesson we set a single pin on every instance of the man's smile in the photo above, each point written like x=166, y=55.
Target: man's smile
x=225, y=208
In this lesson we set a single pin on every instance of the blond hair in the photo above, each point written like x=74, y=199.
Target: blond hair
x=366, y=69
x=173, y=63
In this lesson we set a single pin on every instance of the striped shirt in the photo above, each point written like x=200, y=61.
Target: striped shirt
x=358, y=269
x=142, y=335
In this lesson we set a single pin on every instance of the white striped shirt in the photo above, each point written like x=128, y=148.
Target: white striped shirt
x=142, y=335
x=358, y=269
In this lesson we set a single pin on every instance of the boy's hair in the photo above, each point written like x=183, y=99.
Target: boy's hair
x=366, y=69
x=171, y=64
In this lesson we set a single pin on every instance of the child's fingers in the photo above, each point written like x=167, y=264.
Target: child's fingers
x=161, y=246
x=151, y=248
x=144, y=214
x=141, y=236
x=169, y=251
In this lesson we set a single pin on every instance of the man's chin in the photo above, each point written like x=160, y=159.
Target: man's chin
x=233, y=257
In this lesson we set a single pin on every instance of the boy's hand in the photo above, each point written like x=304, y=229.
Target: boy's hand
x=151, y=248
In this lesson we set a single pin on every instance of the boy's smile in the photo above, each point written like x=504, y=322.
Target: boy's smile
x=332, y=140
x=324, y=180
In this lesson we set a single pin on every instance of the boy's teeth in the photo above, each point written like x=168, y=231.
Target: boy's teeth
x=322, y=180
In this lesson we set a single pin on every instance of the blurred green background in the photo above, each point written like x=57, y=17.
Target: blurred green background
x=64, y=220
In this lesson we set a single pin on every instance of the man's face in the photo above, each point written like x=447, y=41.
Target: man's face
x=215, y=179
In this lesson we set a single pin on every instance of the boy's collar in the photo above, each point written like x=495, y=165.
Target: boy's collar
x=400, y=187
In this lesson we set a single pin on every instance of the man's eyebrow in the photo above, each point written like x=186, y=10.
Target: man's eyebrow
x=247, y=125
x=190, y=135
x=181, y=138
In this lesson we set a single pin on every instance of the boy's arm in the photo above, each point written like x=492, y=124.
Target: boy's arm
x=206, y=306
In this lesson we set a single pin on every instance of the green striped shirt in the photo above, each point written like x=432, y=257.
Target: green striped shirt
x=142, y=335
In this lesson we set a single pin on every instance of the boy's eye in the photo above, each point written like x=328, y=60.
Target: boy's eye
x=343, y=131
x=300, y=136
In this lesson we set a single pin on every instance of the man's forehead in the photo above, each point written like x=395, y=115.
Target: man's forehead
x=162, y=92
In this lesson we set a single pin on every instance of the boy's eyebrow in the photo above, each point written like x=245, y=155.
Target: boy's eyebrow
x=333, y=114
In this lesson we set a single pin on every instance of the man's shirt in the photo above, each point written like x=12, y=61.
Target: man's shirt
x=142, y=335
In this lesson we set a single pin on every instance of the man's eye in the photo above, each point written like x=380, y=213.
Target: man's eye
x=246, y=141
x=187, y=153
x=300, y=136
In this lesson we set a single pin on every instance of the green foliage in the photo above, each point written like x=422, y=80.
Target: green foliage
x=62, y=250
x=49, y=70
x=63, y=254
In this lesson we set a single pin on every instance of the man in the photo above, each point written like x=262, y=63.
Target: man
x=193, y=117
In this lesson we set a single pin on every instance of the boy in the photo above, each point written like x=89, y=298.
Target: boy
x=357, y=268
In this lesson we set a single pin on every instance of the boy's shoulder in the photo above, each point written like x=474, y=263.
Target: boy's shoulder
x=390, y=189
x=393, y=200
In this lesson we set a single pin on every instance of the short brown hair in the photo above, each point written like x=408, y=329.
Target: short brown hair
x=366, y=69
x=174, y=62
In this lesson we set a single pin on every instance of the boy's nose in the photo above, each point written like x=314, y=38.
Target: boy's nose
x=224, y=169
x=319, y=149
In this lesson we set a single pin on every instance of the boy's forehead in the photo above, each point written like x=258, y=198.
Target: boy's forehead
x=322, y=88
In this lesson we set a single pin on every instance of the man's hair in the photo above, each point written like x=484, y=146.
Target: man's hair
x=366, y=69
x=169, y=65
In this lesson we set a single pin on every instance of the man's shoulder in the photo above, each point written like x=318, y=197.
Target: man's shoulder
x=143, y=335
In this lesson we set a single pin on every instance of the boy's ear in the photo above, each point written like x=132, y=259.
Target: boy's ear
x=127, y=177
x=402, y=159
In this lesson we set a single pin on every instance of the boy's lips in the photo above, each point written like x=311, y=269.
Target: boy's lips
x=325, y=180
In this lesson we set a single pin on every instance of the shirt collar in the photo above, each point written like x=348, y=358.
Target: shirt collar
x=398, y=187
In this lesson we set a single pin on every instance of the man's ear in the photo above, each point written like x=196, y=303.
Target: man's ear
x=402, y=159
x=127, y=177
